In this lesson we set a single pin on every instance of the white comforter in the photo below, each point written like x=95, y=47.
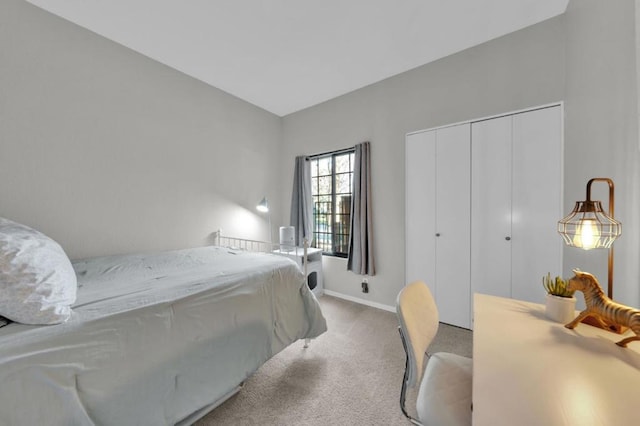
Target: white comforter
x=154, y=338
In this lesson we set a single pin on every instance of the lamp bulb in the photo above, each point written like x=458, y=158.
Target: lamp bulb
x=587, y=235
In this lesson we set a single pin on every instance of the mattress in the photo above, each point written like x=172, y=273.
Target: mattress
x=155, y=337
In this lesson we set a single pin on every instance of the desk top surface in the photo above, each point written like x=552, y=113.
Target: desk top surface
x=529, y=370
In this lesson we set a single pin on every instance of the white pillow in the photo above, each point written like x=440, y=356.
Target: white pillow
x=37, y=282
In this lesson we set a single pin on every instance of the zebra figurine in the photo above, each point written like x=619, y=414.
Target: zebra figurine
x=602, y=308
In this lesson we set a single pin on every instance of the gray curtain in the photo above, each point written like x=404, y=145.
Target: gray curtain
x=301, y=201
x=360, y=259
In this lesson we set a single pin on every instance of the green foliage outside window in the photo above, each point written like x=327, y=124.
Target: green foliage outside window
x=331, y=183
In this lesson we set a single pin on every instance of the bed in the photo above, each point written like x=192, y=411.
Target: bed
x=155, y=339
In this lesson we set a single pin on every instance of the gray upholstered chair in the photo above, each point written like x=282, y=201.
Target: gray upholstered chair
x=444, y=396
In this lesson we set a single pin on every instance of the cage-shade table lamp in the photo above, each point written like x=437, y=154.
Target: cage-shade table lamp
x=588, y=227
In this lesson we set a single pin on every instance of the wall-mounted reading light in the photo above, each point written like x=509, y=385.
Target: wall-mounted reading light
x=263, y=206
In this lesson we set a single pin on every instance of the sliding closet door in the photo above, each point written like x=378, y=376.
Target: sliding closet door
x=438, y=219
x=482, y=203
x=491, y=206
x=453, y=203
x=537, y=200
x=420, y=211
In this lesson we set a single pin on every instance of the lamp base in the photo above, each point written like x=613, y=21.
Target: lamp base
x=597, y=322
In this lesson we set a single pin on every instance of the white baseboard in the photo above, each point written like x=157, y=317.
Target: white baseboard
x=360, y=301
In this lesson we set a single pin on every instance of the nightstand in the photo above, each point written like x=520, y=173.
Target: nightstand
x=314, y=266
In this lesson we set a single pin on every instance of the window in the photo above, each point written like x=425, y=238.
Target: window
x=331, y=183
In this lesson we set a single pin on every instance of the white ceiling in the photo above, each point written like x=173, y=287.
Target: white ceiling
x=287, y=55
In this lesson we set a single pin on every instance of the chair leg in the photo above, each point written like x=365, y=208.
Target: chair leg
x=403, y=389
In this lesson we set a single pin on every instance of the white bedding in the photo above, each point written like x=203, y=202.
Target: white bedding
x=154, y=338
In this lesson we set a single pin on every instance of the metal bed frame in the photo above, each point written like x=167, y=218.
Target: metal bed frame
x=250, y=246
x=263, y=247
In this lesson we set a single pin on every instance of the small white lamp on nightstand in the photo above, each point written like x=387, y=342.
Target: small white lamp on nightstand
x=287, y=238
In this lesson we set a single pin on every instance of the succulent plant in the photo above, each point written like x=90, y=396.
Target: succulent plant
x=556, y=287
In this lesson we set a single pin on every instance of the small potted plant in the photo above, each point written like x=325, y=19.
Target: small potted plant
x=560, y=303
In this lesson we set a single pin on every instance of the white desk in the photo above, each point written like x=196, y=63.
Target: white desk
x=528, y=370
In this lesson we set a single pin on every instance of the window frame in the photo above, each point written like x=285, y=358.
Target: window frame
x=334, y=200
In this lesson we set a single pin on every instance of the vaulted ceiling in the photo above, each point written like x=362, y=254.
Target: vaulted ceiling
x=287, y=55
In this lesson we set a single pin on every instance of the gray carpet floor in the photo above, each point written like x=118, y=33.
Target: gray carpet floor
x=350, y=375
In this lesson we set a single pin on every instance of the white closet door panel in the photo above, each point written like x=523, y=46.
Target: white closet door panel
x=420, y=184
x=453, y=170
x=537, y=200
x=491, y=206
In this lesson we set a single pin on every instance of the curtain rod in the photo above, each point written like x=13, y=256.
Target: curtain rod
x=326, y=154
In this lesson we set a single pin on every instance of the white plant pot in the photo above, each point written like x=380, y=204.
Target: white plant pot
x=560, y=309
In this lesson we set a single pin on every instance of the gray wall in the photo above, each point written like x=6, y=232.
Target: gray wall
x=110, y=152
x=601, y=131
x=585, y=57
x=520, y=70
